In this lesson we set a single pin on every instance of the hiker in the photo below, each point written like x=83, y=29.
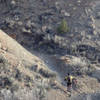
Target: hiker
x=70, y=81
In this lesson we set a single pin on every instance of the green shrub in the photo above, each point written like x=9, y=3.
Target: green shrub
x=63, y=27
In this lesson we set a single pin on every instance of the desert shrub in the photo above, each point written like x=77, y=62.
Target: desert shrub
x=90, y=70
x=63, y=27
x=5, y=82
x=2, y=59
x=46, y=73
x=42, y=92
x=14, y=88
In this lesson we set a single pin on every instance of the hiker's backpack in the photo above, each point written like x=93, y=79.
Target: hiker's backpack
x=69, y=79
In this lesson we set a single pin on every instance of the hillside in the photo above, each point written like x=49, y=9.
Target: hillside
x=43, y=40
x=21, y=71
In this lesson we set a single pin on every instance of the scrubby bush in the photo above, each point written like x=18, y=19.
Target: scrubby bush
x=42, y=92
x=91, y=69
x=63, y=27
x=46, y=73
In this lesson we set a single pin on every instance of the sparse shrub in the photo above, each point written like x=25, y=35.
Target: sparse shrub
x=18, y=75
x=90, y=70
x=63, y=27
x=2, y=60
x=34, y=68
x=5, y=82
x=14, y=88
x=47, y=73
x=42, y=92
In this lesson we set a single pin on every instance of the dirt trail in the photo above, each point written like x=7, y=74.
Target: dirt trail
x=51, y=62
x=55, y=65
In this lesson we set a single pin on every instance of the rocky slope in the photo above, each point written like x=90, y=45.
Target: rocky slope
x=20, y=71
x=35, y=28
x=24, y=76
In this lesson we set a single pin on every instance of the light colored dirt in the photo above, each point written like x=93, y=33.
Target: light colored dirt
x=12, y=47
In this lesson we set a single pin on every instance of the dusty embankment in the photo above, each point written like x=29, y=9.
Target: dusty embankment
x=23, y=75
x=34, y=27
x=86, y=75
x=69, y=63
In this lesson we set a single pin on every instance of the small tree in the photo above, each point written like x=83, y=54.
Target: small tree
x=63, y=27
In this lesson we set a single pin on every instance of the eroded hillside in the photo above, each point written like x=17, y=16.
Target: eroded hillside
x=34, y=24
x=20, y=71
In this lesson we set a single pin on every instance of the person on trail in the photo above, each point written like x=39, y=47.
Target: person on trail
x=70, y=81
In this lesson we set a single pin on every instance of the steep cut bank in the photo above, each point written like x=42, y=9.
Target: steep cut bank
x=34, y=27
x=23, y=75
x=19, y=74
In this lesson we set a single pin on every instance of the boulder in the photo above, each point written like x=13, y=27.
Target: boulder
x=26, y=31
